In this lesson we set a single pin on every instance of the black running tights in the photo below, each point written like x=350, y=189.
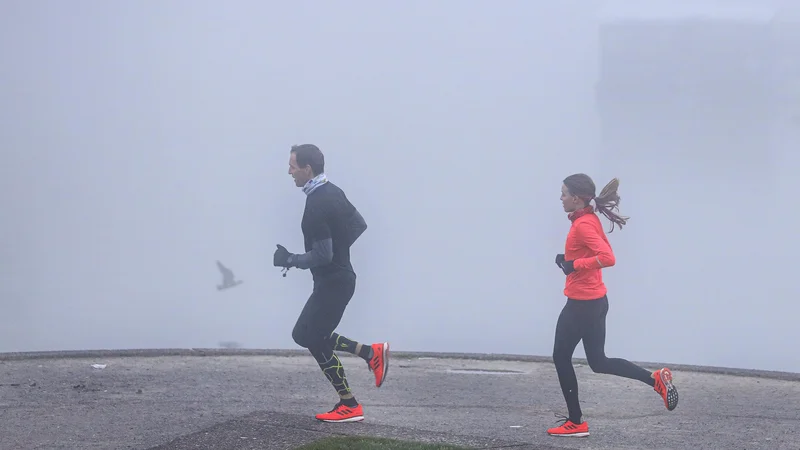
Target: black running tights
x=314, y=328
x=586, y=319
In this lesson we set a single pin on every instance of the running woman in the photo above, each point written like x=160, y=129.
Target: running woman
x=330, y=225
x=587, y=251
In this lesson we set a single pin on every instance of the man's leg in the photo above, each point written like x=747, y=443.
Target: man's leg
x=332, y=368
x=594, y=341
x=568, y=334
x=313, y=329
x=306, y=333
x=376, y=355
x=342, y=344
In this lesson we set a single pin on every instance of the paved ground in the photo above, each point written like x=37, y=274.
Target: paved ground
x=268, y=402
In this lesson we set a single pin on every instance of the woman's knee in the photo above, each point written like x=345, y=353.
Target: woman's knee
x=561, y=356
x=598, y=363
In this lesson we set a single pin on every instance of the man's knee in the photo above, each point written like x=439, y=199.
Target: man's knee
x=300, y=336
x=310, y=338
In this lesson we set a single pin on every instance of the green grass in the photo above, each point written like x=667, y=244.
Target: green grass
x=366, y=443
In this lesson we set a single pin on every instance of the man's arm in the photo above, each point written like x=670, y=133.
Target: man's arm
x=603, y=255
x=356, y=227
x=321, y=252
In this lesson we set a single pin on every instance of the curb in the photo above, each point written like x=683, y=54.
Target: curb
x=200, y=352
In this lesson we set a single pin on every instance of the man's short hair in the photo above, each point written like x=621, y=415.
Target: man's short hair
x=309, y=155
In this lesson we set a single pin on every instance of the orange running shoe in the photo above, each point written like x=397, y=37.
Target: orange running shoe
x=379, y=364
x=342, y=413
x=570, y=429
x=665, y=388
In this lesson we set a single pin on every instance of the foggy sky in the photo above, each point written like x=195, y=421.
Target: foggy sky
x=142, y=141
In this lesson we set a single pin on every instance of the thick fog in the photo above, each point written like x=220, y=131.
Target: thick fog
x=143, y=141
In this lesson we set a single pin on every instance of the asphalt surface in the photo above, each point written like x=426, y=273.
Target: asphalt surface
x=241, y=400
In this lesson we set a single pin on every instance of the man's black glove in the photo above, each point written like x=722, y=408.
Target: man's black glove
x=281, y=257
x=560, y=260
x=568, y=267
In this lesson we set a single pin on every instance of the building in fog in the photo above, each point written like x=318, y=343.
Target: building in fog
x=699, y=111
x=786, y=135
x=688, y=91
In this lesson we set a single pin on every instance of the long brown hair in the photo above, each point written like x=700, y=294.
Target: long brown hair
x=582, y=186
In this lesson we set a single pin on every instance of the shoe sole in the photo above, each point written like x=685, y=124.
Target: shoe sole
x=385, y=367
x=671, y=402
x=348, y=420
x=570, y=434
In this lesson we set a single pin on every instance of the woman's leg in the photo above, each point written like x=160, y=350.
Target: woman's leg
x=568, y=334
x=594, y=344
x=594, y=341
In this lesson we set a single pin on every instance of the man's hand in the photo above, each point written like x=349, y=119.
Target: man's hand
x=568, y=267
x=281, y=257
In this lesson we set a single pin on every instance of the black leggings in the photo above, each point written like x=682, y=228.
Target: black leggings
x=586, y=319
x=323, y=312
x=315, y=327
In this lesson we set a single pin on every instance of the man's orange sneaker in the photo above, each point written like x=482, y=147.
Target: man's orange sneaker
x=570, y=429
x=665, y=388
x=342, y=413
x=379, y=364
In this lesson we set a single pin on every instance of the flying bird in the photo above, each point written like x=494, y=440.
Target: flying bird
x=228, y=279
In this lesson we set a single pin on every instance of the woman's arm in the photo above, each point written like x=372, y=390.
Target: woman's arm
x=602, y=257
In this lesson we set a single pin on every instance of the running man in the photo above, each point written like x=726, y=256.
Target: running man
x=330, y=225
x=586, y=252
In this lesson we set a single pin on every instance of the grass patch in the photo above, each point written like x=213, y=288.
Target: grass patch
x=367, y=443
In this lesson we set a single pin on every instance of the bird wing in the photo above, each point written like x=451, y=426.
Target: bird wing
x=226, y=273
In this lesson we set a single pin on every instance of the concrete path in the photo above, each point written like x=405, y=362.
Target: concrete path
x=245, y=401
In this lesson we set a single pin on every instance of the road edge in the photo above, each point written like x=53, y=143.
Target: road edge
x=201, y=352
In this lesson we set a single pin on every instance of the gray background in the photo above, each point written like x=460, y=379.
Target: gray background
x=141, y=141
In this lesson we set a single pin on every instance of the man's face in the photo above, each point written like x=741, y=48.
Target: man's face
x=570, y=202
x=300, y=175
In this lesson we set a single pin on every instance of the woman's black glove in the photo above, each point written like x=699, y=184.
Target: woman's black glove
x=560, y=260
x=566, y=266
